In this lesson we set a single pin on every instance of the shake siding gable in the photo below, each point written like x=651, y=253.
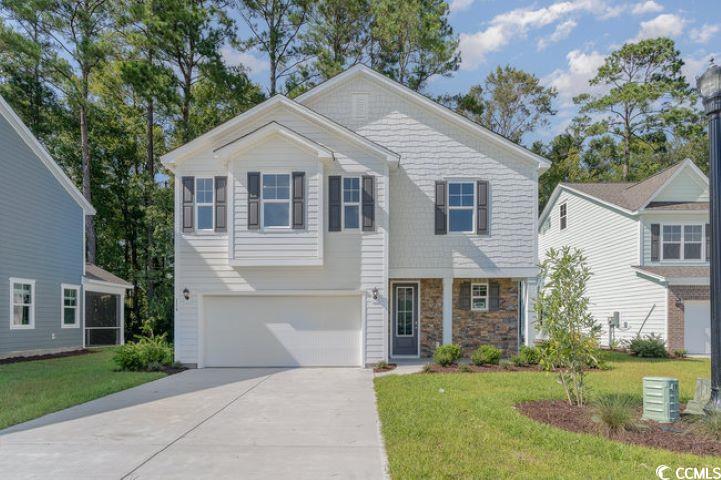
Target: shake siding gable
x=432, y=149
x=610, y=241
x=41, y=239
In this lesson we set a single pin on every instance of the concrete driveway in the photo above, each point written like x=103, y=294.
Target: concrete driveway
x=211, y=423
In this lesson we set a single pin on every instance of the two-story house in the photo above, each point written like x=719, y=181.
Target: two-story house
x=50, y=300
x=647, y=244
x=358, y=222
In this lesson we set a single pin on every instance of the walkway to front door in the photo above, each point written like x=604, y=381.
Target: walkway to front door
x=405, y=320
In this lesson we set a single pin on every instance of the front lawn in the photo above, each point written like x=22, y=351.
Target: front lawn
x=34, y=388
x=463, y=425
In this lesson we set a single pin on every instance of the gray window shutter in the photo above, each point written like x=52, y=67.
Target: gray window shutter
x=253, y=200
x=494, y=296
x=369, y=203
x=441, y=209
x=708, y=241
x=221, y=204
x=464, y=296
x=482, y=208
x=298, y=200
x=334, y=197
x=655, y=242
x=188, y=196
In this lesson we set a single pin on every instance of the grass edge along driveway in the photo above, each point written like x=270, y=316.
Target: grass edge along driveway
x=34, y=388
x=465, y=425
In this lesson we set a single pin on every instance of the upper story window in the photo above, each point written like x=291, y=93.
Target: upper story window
x=71, y=311
x=22, y=307
x=563, y=215
x=351, y=202
x=461, y=202
x=682, y=242
x=276, y=200
x=204, y=204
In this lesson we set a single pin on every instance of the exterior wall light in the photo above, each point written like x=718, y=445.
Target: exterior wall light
x=186, y=294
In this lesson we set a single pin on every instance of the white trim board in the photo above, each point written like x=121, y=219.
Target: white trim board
x=39, y=150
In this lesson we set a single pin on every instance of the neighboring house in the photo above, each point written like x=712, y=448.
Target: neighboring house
x=647, y=244
x=357, y=223
x=51, y=300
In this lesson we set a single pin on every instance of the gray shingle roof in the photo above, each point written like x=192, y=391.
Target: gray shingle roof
x=628, y=195
x=681, y=271
x=677, y=206
x=93, y=272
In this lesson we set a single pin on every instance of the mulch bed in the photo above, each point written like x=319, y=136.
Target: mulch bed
x=470, y=368
x=173, y=370
x=391, y=366
x=680, y=436
x=47, y=356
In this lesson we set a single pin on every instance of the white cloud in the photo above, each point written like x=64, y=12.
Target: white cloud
x=563, y=30
x=704, y=33
x=665, y=25
x=694, y=66
x=648, y=6
x=573, y=80
x=460, y=5
x=505, y=27
x=250, y=61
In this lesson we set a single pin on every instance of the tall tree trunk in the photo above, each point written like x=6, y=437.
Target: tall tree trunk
x=85, y=150
x=187, y=92
x=626, y=144
x=150, y=187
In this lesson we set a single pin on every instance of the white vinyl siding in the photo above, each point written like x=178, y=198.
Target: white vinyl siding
x=685, y=187
x=610, y=241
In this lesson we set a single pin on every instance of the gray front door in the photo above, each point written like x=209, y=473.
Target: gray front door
x=405, y=319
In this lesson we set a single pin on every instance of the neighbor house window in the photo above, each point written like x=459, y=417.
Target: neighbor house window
x=563, y=214
x=351, y=202
x=71, y=310
x=204, y=204
x=22, y=303
x=461, y=201
x=479, y=296
x=276, y=200
x=682, y=242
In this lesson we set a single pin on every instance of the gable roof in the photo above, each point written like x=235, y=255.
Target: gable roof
x=629, y=197
x=446, y=113
x=275, y=128
x=97, y=274
x=37, y=148
x=171, y=158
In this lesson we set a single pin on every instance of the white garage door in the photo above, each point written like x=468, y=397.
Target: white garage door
x=697, y=327
x=282, y=331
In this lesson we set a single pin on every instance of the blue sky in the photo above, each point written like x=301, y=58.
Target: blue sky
x=562, y=41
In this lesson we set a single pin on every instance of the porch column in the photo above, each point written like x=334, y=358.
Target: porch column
x=447, y=310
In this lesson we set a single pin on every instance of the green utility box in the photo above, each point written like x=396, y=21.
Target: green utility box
x=660, y=399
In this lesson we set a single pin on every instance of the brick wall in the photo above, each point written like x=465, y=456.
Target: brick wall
x=498, y=328
x=677, y=294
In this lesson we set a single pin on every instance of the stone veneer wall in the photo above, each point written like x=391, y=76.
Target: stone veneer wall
x=498, y=328
x=677, y=294
x=431, y=315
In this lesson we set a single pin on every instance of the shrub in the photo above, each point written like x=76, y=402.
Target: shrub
x=463, y=368
x=616, y=413
x=148, y=353
x=651, y=346
x=680, y=353
x=486, y=355
x=710, y=426
x=505, y=364
x=427, y=368
x=517, y=361
x=446, y=355
x=530, y=355
x=382, y=365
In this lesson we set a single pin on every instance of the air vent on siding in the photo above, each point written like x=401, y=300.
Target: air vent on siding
x=360, y=106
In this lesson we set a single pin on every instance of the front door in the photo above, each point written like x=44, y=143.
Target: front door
x=405, y=319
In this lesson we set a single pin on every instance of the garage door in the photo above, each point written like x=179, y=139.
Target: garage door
x=282, y=331
x=697, y=327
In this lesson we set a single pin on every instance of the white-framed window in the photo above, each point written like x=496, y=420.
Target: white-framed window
x=70, y=306
x=204, y=206
x=479, y=297
x=275, y=200
x=682, y=242
x=461, y=206
x=563, y=214
x=22, y=303
x=351, y=203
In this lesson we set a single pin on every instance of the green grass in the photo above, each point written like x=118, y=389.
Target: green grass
x=31, y=389
x=471, y=430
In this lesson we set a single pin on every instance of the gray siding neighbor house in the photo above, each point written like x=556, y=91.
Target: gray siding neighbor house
x=50, y=300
